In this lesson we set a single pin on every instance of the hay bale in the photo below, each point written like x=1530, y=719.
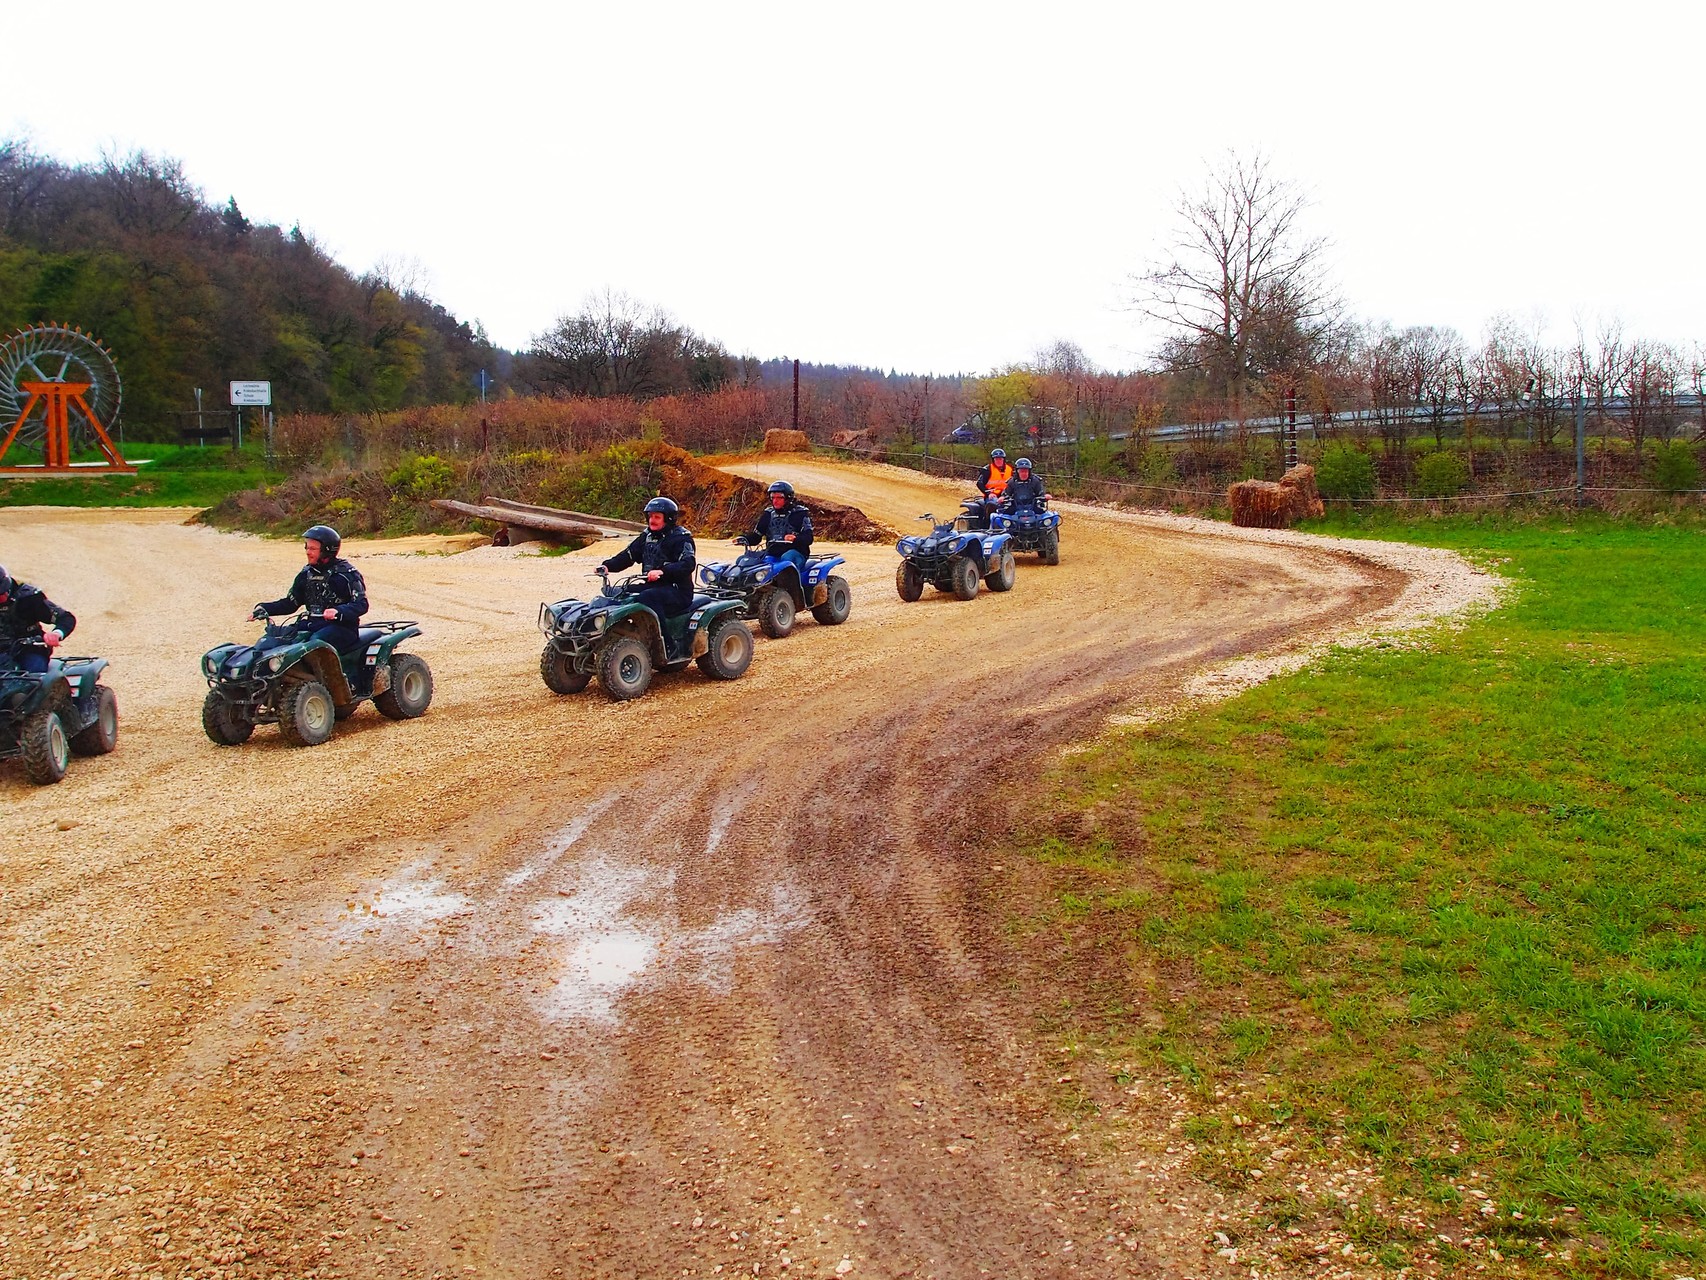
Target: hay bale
x=783, y=440
x=1259, y=504
x=1306, y=500
x=1262, y=504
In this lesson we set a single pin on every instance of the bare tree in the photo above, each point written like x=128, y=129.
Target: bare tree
x=1430, y=354
x=1600, y=367
x=617, y=346
x=1242, y=289
x=1652, y=373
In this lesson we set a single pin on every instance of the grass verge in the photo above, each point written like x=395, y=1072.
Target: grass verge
x=1439, y=912
x=175, y=476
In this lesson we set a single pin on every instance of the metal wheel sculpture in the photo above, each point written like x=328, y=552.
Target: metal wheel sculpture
x=59, y=392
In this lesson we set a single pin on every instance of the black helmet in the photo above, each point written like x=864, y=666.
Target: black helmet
x=5, y=582
x=998, y=453
x=1023, y=464
x=326, y=536
x=664, y=507
x=782, y=487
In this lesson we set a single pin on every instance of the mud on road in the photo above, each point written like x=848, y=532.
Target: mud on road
x=715, y=982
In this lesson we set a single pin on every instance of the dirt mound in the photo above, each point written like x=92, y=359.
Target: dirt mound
x=782, y=440
x=717, y=504
x=1261, y=504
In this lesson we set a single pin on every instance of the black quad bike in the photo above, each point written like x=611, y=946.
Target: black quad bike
x=47, y=717
x=623, y=642
x=305, y=686
x=774, y=591
x=953, y=559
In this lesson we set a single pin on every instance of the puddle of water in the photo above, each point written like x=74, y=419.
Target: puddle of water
x=564, y=840
x=610, y=949
x=408, y=898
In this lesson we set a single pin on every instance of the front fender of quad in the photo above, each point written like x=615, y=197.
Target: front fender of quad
x=631, y=618
x=316, y=660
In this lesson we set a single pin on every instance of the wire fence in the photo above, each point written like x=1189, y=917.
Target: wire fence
x=1605, y=477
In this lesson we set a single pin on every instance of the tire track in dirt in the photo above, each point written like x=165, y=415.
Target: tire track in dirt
x=540, y=986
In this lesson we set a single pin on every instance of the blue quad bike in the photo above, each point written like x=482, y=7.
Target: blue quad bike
x=773, y=589
x=954, y=559
x=47, y=717
x=306, y=686
x=624, y=642
x=1032, y=525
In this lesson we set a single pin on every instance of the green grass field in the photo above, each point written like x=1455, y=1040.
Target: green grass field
x=175, y=476
x=1440, y=909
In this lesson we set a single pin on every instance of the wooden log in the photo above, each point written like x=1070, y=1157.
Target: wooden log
x=602, y=522
x=554, y=525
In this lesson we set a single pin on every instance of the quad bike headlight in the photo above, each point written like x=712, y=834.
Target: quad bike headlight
x=273, y=664
x=762, y=576
x=210, y=665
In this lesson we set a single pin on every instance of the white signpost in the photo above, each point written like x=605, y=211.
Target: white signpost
x=243, y=393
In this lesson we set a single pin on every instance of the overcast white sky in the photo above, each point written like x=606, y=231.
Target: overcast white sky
x=924, y=186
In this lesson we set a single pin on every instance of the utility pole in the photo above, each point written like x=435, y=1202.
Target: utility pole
x=796, y=395
x=1581, y=444
x=1290, y=427
x=926, y=425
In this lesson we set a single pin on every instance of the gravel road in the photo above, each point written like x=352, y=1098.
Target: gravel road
x=717, y=982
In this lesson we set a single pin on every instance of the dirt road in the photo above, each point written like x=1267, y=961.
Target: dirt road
x=714, y=982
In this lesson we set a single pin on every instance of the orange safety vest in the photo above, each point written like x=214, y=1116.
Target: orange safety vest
x=999, y=475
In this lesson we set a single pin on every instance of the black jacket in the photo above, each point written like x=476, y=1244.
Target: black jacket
x=670, y=551
x=1024, y=491
x=22, y=616
x=320, y=587
x=774, y=527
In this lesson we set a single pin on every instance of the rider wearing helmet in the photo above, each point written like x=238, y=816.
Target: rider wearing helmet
x=993, y=480
x=784, y=527
x=665, y=552
x=1024, y=489
x=329, y=589
x=31, y=625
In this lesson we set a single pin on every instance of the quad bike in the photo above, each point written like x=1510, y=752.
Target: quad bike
x=1033, y=526
x=953, y=559
x=774, y=592
x=623, y=642
x=47, y=717
x=305, y=686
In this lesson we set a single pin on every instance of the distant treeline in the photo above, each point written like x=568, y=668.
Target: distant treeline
x=190, y=294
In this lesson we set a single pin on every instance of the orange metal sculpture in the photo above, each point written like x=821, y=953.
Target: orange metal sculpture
x=59, y=387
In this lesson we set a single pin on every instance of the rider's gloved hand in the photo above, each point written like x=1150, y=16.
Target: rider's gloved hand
x=330, y=615
x=52, y=639
x=258, y=613
x=653, y=575
x=602, y=572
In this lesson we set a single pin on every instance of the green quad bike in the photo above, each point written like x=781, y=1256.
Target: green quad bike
x=47, y=717
x=305, y=686
x=623, y=642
